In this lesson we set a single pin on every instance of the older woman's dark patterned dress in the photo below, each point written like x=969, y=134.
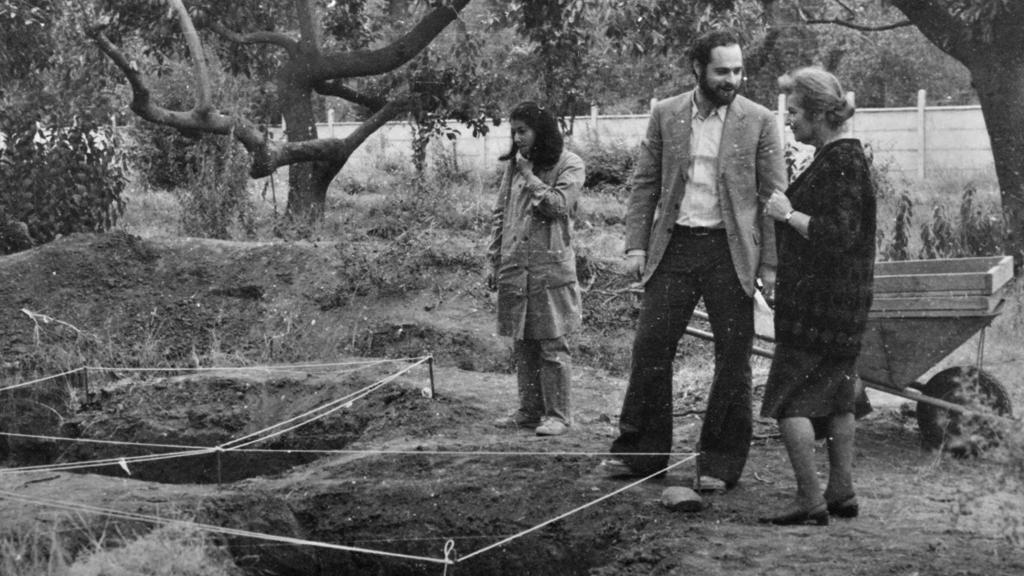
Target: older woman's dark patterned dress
x=824, y=288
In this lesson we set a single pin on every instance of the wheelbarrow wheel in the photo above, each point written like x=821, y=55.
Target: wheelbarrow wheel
x=962, y=434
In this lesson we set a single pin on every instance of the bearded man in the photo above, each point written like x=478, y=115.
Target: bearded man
x=695, y=228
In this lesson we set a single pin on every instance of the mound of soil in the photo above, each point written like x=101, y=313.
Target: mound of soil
x=392, y=462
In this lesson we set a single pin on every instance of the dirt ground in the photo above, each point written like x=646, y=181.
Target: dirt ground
x=403, y=465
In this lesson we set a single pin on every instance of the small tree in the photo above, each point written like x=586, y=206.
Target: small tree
x=306, y=63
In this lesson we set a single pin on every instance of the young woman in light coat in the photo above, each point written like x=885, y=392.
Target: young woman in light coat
x=534, y=267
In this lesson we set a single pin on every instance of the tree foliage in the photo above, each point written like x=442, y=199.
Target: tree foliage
x=59, y=180
x=60, y=169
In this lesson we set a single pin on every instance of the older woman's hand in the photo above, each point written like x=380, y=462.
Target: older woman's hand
x=778, y=206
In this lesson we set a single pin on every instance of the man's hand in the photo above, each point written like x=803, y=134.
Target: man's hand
x=635, y=265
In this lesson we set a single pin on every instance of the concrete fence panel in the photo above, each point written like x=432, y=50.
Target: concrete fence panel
x=913, y=142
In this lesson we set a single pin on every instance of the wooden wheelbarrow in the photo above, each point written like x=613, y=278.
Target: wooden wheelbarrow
x=923, y=310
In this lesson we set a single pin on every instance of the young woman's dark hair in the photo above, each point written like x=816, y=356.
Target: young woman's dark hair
x=548, y=144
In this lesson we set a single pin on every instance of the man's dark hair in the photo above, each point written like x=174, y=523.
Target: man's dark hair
x=547, y=147
x=700, y=52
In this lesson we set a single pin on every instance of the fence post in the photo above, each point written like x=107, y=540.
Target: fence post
x=921, y=139
x=780, y=119
x=653, y=102
x=593, y=122
x=486, y=163
x=853, y=119
x=330, y=122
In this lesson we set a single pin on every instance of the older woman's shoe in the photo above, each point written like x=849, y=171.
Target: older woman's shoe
x=817, y=515
x=844, y=508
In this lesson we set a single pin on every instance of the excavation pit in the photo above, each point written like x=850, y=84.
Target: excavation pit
x=214, y=426
x=389, y=472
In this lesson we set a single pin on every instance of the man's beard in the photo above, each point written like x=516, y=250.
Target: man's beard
x=717, y=96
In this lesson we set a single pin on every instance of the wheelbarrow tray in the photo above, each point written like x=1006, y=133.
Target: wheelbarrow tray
x=923, y=310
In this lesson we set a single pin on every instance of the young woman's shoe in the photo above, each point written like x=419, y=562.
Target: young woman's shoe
x=551, y=427
x=517, y=420
x=844, y=508
x=817, y=515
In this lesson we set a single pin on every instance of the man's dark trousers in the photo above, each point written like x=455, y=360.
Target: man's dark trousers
x=695, y=265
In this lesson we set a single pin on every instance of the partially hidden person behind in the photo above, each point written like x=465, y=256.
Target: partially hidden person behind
x=534, y=267
x=696, y=228
x=825, y=233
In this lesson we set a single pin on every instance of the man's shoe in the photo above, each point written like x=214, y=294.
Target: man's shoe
x=815, y=516
x=552, y=427
x=517, y=421
x=617, y=469
x=711, y=485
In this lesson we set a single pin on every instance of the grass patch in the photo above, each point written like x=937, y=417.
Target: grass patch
x=172, y=550
x=177, y=549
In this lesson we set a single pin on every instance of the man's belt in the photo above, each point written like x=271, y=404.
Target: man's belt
x=697, y=230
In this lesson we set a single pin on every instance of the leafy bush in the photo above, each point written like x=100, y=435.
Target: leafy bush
x=608, y=163
x=162, y=155
x=215, y=194
x=59, y=179
x=899, y=247
x=895, y=213
x=446, y=168
x=977, y=230
x=435, y=203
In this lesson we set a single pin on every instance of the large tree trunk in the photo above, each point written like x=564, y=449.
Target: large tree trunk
x=999, y=81
x=306, y=192
x=307, y=181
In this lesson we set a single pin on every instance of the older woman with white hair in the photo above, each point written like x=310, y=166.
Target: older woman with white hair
x=825, y=236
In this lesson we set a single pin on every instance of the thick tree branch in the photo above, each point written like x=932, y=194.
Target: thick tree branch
x=326, y=149
x=193, y=121
x=944, y=30
x=374, y=62
x=338, y=89
x=267, y=155
x=309, y=27
x=855, y=26
x=195, y=46
x=263, y=37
